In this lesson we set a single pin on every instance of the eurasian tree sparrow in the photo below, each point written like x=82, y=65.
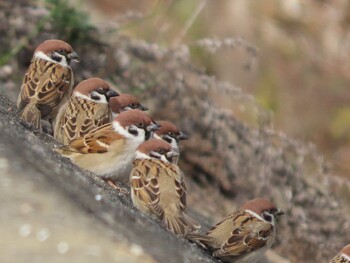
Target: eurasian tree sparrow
x=172, y=135
x=125, y=102
x=343, y=256
x=86, y=110
x=245, y=235
x=47, y=83
x=158, y=187
x=108, y=150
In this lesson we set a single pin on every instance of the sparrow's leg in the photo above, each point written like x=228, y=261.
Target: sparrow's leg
x=118, y=188
x=47, y=127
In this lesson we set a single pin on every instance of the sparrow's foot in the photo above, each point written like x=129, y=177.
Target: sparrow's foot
x=118, y=188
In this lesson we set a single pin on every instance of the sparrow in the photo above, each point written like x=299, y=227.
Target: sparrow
x=48, y=82
x=125, y=102
x=243, y=236
x=172, y=135
x=108, y=150
x=158, y=187
x=86, y=110
x=343, y=256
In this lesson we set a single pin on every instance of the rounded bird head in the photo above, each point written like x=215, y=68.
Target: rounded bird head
x=135, y=124
x=346, y=250
x=56, y=51
x=125, y=102
x=169, y=132
x=155, y=148
x=263, y=208
x=95, y=89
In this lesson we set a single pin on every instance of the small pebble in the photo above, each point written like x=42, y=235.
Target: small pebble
x=43, y=234
x=62, y=247
x=93, y=250
x=25, y=230
x=136, y=250
x=98, y=197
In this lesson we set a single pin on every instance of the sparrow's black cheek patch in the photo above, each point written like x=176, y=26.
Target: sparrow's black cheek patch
x=148, y=135
x=167, y=139
x=95, y=97
x=56, y=58
x=133, y=131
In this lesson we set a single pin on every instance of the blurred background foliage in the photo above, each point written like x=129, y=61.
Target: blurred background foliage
x=293, y=56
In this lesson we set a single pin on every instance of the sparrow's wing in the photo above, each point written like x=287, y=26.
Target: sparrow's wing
x=97, y=141
x=180, y=186
x=47, y=83
x=245, y=237
x=145, y=185
x=95, y=115
x=67, y=123
x=82, y=116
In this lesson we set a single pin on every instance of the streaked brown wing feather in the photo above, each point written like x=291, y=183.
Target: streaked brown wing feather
x=145, y=185
x=243, y=240
x=67, y=122
x=180, y=186
x=46, y=83
x=97, y=141
x=95, y=116
x=28, y=88
x=80, y=117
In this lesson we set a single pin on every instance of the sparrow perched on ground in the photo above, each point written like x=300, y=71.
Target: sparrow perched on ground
x=108, y=150
x=125, y=102
x=243, y=236
x=158, y=187
x=343, y=256
x=86, y=110
x=47, y=83
x=171, y=134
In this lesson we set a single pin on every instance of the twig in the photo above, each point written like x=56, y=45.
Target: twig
x=189, y=22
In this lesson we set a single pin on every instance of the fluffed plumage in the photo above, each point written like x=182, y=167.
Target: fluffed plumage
x=243, y=236
x=109, y=149
x=343, y=256
x=47, y=83
x=86, y=110
x=158, y=187
x=172, y=135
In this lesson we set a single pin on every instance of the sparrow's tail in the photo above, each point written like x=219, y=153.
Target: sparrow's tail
x=65, y=150
x=203, y=240
x=198, y=238
x=180, y=225
x=30, y=113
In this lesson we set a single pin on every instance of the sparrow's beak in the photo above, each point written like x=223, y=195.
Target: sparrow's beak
x=111, y=93
x=143, y=107
x=73, y=56
x=153, y=127
x=280, y=212
x=182, y=136
x=150, y=130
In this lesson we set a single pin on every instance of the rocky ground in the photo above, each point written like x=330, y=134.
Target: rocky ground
x=54, y=210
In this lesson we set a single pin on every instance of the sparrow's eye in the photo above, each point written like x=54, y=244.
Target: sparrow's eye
x=133, y=105
x=161, y=150
x=100, y=90
x=171, y=134
x=140, y=125
x=61, y=51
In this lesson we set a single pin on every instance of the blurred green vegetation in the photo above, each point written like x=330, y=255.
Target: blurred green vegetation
x=340, y=125
x=69, y=23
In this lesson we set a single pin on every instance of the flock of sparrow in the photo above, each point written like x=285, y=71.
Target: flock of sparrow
x=111, y=135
